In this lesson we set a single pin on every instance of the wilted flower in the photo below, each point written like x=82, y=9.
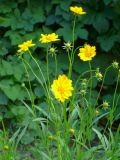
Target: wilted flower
x=52, y=50
x=67, y=46
x=48, y=38
x=62, y=88
x=25, y=46
x=98, y=75
x=83, y=92
x=87, y=52
x=84, y=84
x=115, y=65
x=77, y=10
x=105, y=105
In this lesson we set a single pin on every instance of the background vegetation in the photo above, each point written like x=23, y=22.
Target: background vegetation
x=22, y=20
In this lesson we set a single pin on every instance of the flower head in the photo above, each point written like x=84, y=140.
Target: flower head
x=62, y=88
x=48, y=38
x=115, y=64
x=67, y=46
x=77, y=10
x=98, y=75
x=105, y=105
x=87, y=52
x=25, y=46
x=52, y=50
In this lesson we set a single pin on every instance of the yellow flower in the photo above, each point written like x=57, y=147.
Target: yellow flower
x=77, y=10
x=47, y=38
x=25, y=46
x=87, y=52
x=62, y=88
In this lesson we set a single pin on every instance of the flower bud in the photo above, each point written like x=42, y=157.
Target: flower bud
x=115, y=65
x=71, y=131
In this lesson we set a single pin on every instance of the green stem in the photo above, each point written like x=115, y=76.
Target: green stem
x=101, y=85
x=47, y=68
x=113, y=104
x=72, y=52
x=90, y=83
x=56, y=66
x=30, y=95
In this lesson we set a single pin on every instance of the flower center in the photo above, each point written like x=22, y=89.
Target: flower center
x=87, y=53
x=61, y=90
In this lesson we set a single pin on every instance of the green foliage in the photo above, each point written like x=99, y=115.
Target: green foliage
x=23, y=20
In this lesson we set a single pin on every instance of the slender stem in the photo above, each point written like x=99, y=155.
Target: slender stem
x=113, y=104
x=73, y=33
x=90, y=82
x=34, y=74
x=102, y=85
x=70, y=64
x=47, y=69
x=4, y=129
x=31, y=95
x=72, y=52
x=38, y=67
x=56, y=65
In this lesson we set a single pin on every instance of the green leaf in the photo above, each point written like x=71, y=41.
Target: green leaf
x=6, y=68
x=27, y=138
x=82, y=33
x=13, y=92
x=107, y=1
x=107, y=41
x=39, y=92
x=14, y=36
x=3, y=98
x=100, y=23
x=18, y=110
x=66, y=32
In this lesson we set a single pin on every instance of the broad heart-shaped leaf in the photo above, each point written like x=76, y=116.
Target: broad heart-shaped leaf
x=82, y=33
x=107, y=1
x=14, y=36
x=15, y=92
x=6, y=68
x=79, y=66
x=18, y=110
x=100, y=23
x=65, y=5
x=7, y=6
x=3, y=98
x=107, y=41
x=66, y=32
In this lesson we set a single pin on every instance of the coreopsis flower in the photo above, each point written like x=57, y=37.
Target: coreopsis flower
x=25, y=46
x=62, y=88
x=87, y=52
x=67, y=46
x=48, y=38
x=77, y=10
x=115, y=65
